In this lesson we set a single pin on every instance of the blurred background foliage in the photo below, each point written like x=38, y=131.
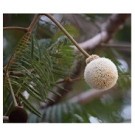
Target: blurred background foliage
x=46, y=59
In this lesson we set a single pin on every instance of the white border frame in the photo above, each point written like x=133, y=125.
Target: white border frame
x=69, y=6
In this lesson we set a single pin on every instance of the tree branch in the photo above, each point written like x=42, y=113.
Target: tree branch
x=107, y=31
x=88, y=96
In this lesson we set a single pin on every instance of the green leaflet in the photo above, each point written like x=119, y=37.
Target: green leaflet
x=29, y=106
x=19, y=49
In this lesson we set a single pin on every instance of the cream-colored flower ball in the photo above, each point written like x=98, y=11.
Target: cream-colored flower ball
x=101, y=73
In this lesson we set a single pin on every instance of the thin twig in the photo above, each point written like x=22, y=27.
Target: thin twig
x=30, y=28
x=33, y=23
x=67, y=34
x=15, y=28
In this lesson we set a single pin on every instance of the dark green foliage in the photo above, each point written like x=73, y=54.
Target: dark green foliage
x=109, y=110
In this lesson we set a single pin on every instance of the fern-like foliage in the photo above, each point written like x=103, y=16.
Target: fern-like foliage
x=36, y=68
x=62, y=113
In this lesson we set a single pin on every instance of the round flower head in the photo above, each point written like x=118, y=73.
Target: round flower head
x=101, y=73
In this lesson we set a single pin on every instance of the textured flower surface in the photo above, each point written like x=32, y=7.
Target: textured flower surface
x=101, y=74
